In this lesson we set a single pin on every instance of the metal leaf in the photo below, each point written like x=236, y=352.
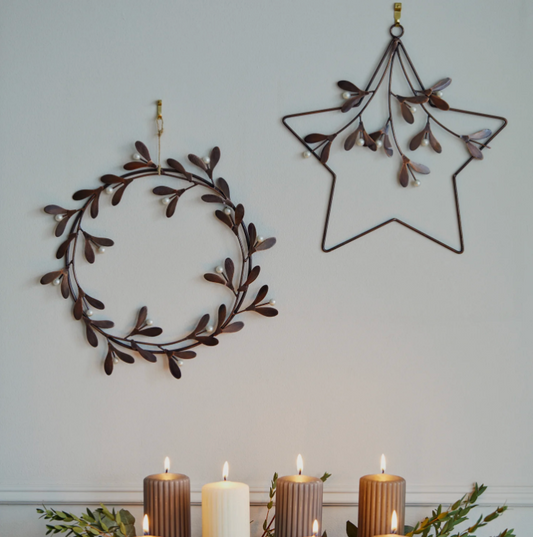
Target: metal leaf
x=233, y=327
x=103, y=324
x=252, y=233
x=60, y=228
x=51, y=276
x=147, y=355
x=324, y=156
x=315, y=138
x=208, y=341
x=215, y=278
x=441, y=84
x=267, y=312
x=95, y=303
x=54, y=209
x=63, y=247
x=387, y=146
x=229, y=267
x=352, y=103
x=260, y=295
x=239, y=214
x=214, y=157
x=404, y=175
x=439, y=103
x=420, y=168
x=177, y=166
x=202, y=323
x=480, y=135
x=65, y=289
x=153, y=331
x=417, y=140
x=185, y=355
x=221, y=316
x=125, y=357
x=417, y=99
x=141, y=317
x=349, y=143
x=110, y=179
x=369, y=142
x=82, y=194
x=434, y=143
x=117, y=196
x=174, y=367
x=406, y=113
x=223, y=217
x=266, y=244
x=171, y=207
x=143, y=150
x=197, y=161
x=78, y=307
x=163, y=191
x=89, y=252
x=91, y=336
x=474, y=150
x=223, y=186
x=348, y=86
x=108, y=363
x=211, y=198
x=102, y=241
x=95, y=205
x=135, y=165
x=254, y=273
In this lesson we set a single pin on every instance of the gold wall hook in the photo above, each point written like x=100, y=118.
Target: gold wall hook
x=160, y=106
x=397, y=13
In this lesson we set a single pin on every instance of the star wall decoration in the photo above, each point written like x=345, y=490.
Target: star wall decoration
x=353, y=134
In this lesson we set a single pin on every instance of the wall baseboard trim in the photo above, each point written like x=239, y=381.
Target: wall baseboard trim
x=417, y=495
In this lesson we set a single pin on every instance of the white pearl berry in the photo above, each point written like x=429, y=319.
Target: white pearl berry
x=439, y=93
x=424, y=142
x=416, y=182
x=206, y=160
x=227, y=211
x=148, y=322
x=136, y=156
x=413, y=109
x=219, y=270
x=101, y=250
x=379, y=143
x=165, y=201
x=115, y=360
x=346, y=95
x=306, y=154
x=360, y=141
x=272, y=302
x=57, y=281
x=89, y=313
x=58, y=217
x=210, y=329
x=109, y=190
x=260, y=239
x=180, y=361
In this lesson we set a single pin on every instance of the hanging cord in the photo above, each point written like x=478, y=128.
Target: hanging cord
x=159, y=123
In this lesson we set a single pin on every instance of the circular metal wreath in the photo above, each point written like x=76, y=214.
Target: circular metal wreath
x=236, y=281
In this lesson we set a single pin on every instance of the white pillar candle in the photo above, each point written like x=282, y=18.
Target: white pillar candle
x=226, y=508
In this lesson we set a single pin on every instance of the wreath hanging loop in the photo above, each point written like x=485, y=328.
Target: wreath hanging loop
x=235, y=277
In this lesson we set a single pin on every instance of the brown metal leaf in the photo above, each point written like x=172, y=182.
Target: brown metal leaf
x=349, y=143
x=208, y=341
x=417, y=140
x=239, y=214
x=202, y=323
x=117, y=196
x=233, y=327
x=352, y=103
x=89, y=252
x=439, y=103
x=91, y=336
x=254, y=273
x=324, y=155
x=406, y=113
x=267, y=312
x=54, y=209
x=387, y=146
x=315, y=138
x=103, y=324
x=147, y=355
x=163, y=191
x=65, y=290
x=474, y=150
x=108, y=363
x=197, y=161
x=215, y=278
x=185, y=355
x=82, y=194
x=223, y=217
x=252, y=233
x=60, y=228
x=419, y=168
x=177, y=166
x=63, y=247
x=171, y=207
x=434, y=143
x=369, y=142
x=229, y=267
x=480, y=135
x=214, y=157
x=95, y=303
x=348, y=86
x=95, y=205
x=441, y=84
x=211, y=198
x=266, y=244
x=404, y=175
x=110, y=179
x=417, y=99
x=221, y=316
x=142, y=150
x=174, y=367
x=141, y=317
x=260, y=295
x=153, y=331
x=78, y=307
x=223, y=186
x=124, y=356
x=134, y=165
x=51, y=276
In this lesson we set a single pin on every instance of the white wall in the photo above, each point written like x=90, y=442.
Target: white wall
x=391, y=344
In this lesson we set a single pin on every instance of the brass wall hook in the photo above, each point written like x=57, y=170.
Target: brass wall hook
x=397, y=13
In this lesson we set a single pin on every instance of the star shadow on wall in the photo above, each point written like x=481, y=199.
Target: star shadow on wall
x=429, y=99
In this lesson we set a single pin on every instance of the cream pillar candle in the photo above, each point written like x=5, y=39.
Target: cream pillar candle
x=225, y=508
x=379, y=496
x=298, y=504
x=167, y=502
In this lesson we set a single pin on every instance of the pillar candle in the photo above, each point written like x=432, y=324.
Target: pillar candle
x=167, y=502
x=225, y=508
x=379, y=496
x=298, y=504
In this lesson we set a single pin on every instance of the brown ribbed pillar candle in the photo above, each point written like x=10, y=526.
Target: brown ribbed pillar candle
x=379, y=496
x=167, y=502
x=298, y=505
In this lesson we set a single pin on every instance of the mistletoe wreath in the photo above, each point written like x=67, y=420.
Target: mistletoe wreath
x=237, y=279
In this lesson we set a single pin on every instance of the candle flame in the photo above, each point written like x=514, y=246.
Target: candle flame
x=145, y=525
x=300, y=464
x=383, y=464
x=225, y=471
x=394, y=522
x=315, y=528
x=167, y=465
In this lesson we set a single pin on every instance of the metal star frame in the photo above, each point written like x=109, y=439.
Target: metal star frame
x=356, y=99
